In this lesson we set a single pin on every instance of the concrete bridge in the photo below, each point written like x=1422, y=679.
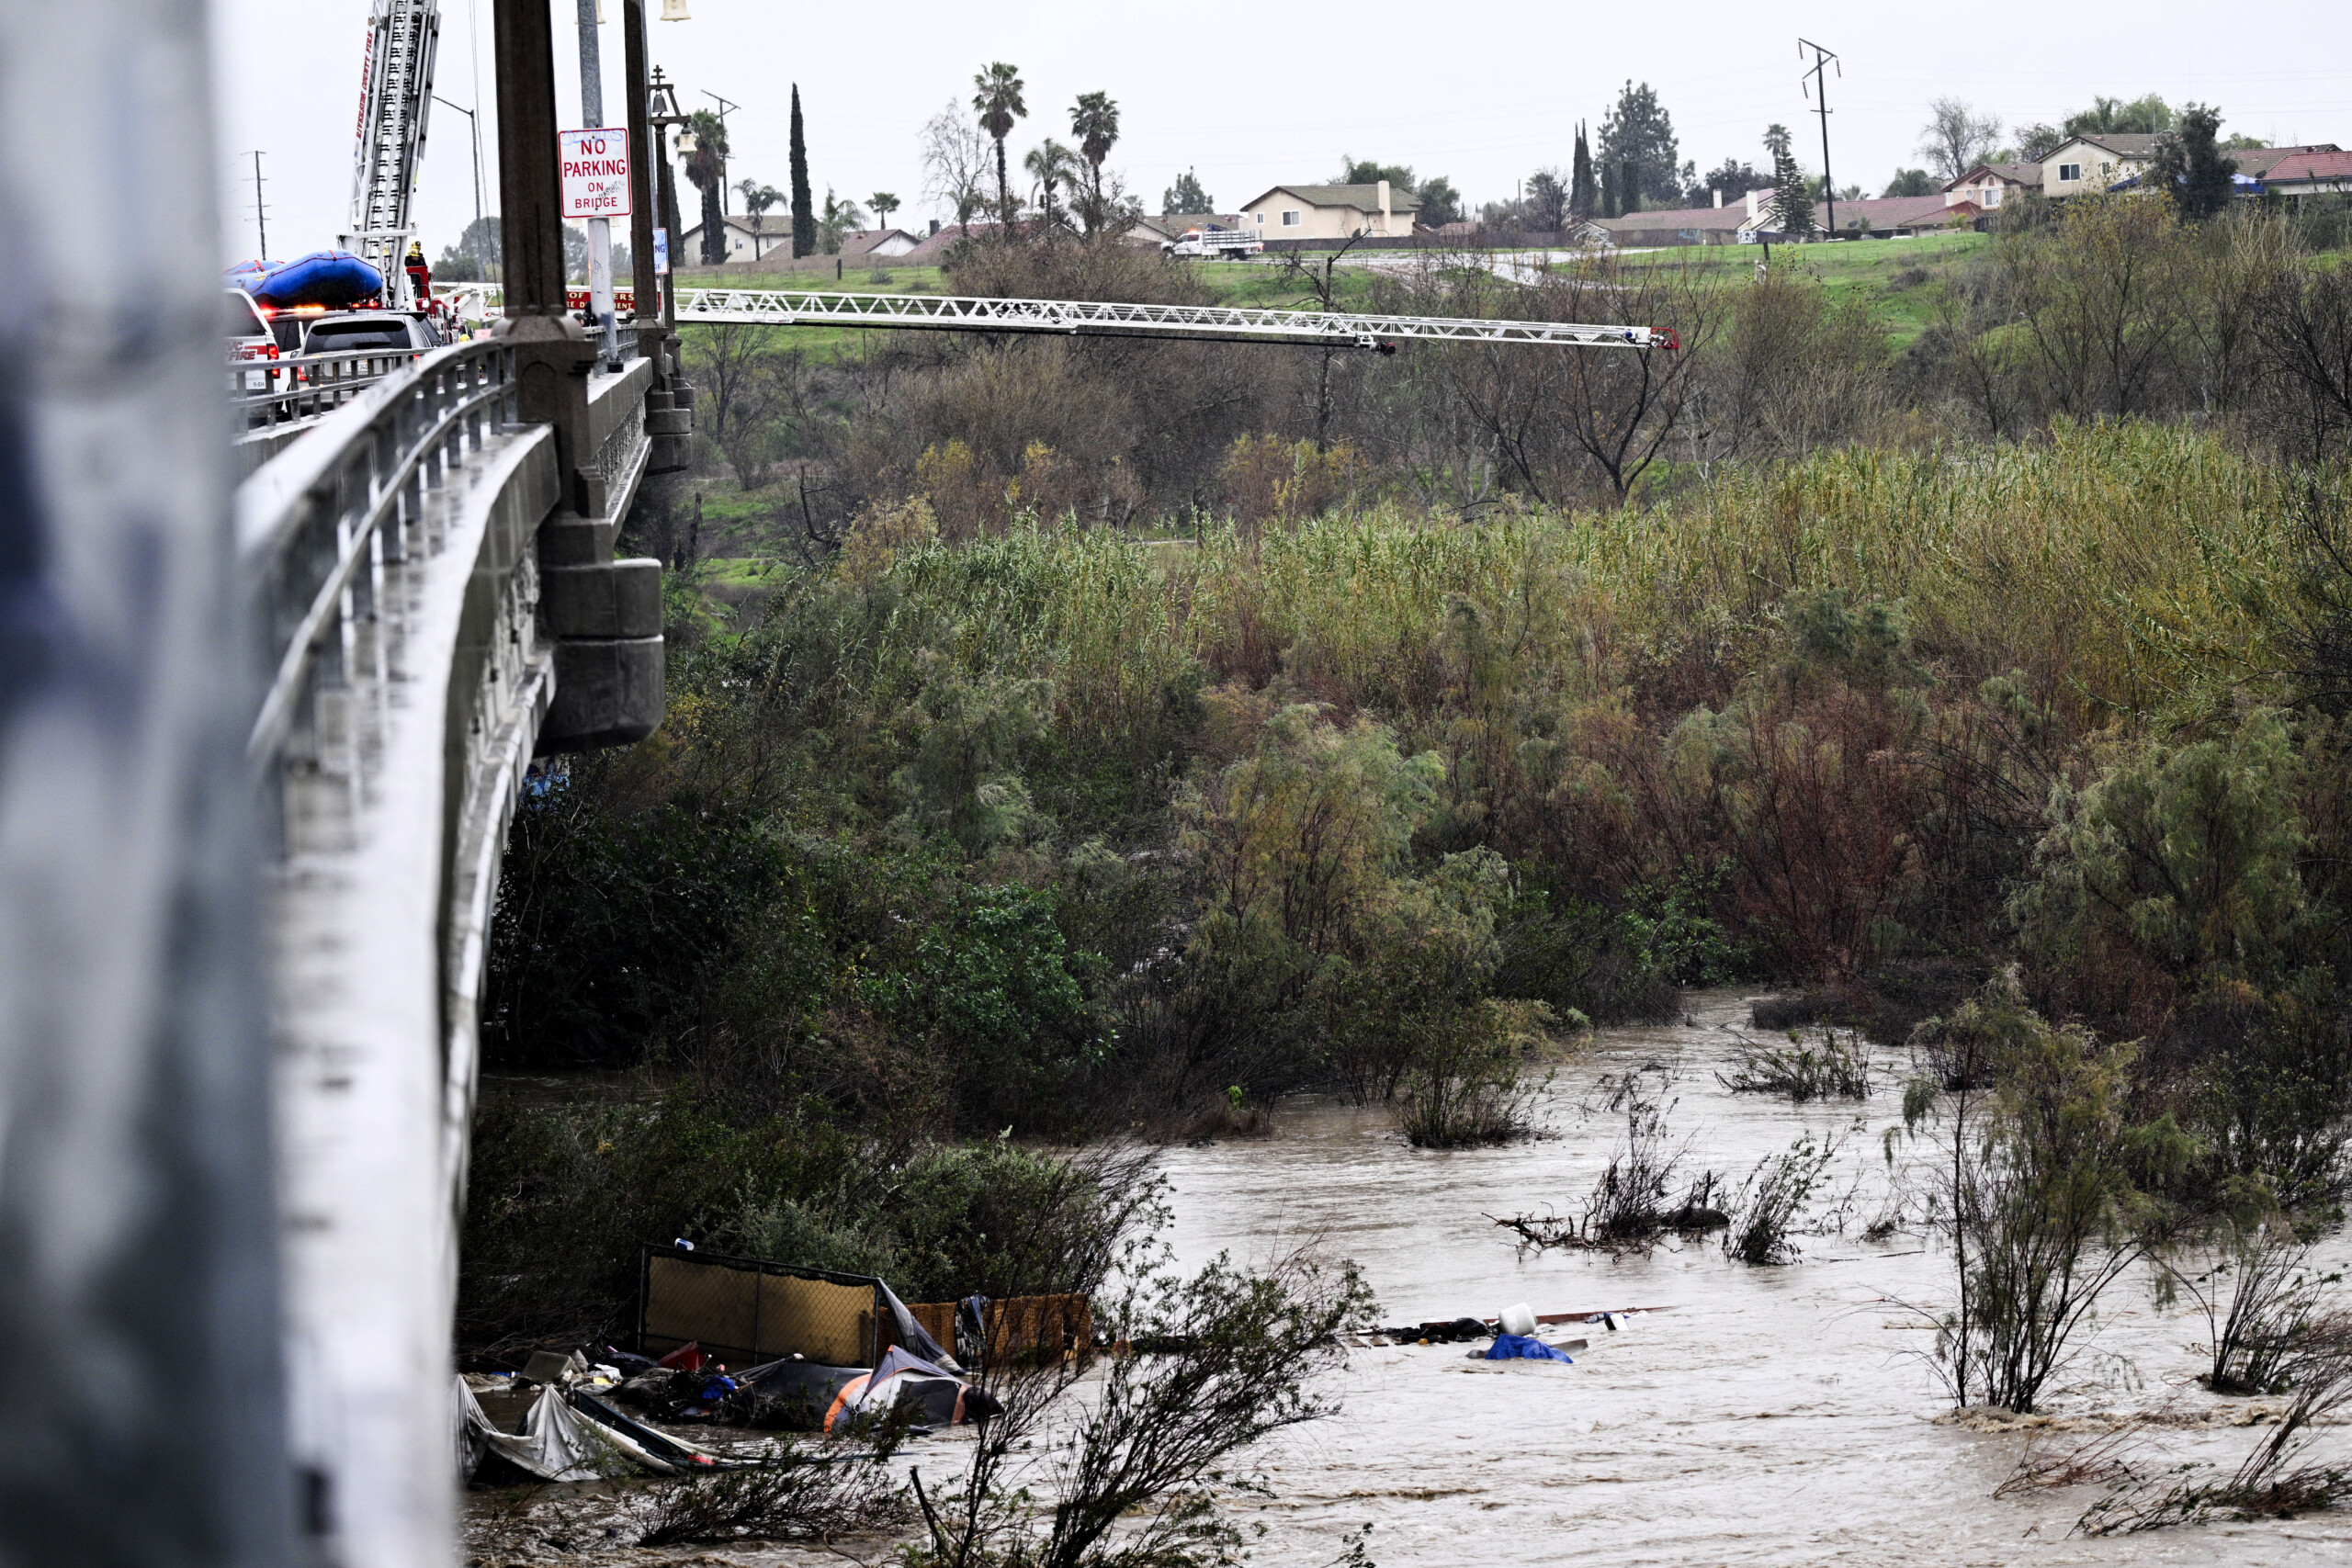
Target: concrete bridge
x=265, y=712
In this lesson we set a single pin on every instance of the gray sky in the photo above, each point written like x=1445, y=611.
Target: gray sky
x=1252, y=95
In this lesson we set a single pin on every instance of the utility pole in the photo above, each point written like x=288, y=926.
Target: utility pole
x=475, y=124
x=261, y=213
x=1822, y=58
x=600, y=229
x=725, y=109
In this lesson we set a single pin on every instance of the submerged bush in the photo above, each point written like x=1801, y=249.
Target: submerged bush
x=1826, y=1068
x=2040, y=1190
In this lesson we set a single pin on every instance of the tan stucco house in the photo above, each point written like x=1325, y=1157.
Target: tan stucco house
x=1329, y=212
x=2091, y=163
x=1989, y=185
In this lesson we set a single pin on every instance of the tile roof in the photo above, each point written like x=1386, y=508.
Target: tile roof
x=2261, y=159
x=2015, y=174
x=1893, y=211
x=1363, y=199
x=1729, y=216
x=2299, y=165
x=2124, y=143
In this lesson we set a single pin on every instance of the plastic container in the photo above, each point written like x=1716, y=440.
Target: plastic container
x=1519, y=1319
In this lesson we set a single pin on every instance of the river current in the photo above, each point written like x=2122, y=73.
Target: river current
x=1774, y=1415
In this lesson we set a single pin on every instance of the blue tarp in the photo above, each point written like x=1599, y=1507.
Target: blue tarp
x=1519, y=1347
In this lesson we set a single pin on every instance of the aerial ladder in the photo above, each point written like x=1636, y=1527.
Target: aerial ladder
x=1089, y=318
x=395, y=92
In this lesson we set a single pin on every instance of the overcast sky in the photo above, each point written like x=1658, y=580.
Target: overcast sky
x=1256, y=94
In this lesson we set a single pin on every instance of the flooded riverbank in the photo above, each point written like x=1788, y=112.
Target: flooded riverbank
x=1776, y=1415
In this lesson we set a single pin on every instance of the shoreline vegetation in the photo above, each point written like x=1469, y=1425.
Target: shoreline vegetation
x=1072, y=746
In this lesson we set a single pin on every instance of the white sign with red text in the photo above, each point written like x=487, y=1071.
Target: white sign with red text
x=596, y=173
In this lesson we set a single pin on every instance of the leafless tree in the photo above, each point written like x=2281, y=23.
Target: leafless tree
x=1612, y=410
x=1956, y=137
x=956, y=162
x=1321, y=281
x=2103, y=306
x=2306, y=333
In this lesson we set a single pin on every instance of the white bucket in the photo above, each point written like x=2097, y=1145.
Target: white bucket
x=1519, y=1319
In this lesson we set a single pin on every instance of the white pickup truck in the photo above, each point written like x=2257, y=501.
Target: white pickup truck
x=1226, y=244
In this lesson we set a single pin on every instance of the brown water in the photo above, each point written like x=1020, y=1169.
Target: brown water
x=1775, y=1416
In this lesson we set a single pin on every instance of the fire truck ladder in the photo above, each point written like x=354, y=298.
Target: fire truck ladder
x=395, y=92
x=1082, y=318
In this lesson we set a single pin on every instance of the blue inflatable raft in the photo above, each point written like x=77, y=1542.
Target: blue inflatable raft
x=333, y=279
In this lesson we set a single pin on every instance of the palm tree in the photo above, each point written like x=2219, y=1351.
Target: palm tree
x=998, y=103
x=757, y=199
x=1049, y=164
x=884, y=204
x=1094, y=120
x=707, y=167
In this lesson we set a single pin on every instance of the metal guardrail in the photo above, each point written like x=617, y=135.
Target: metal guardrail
x=278, y=391
x=320, y=527
x=787, y=307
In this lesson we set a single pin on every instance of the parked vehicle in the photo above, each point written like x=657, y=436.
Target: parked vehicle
x=251, y=340
x=1226, y=244
x=354, y=331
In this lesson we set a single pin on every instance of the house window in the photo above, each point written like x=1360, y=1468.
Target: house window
x=2070, y=170
x=1262, y=219
x=1292, y=218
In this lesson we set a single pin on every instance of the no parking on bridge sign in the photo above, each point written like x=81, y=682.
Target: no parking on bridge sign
x=596, y=173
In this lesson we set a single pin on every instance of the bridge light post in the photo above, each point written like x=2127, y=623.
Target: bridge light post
x=668, y=418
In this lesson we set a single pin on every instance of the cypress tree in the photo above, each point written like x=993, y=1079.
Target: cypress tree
x=804, y=211
x=1580, y=192
x=1608, y=190
x=1630, y=188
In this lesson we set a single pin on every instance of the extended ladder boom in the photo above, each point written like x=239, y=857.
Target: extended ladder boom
x=395, y=94
x=786, y=308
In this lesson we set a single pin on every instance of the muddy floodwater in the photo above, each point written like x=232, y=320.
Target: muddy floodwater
x=1772, y=1416
x=1775, y=1416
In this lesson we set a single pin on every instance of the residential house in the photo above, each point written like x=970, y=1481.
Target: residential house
x=1330, y=212
x=2306, y=171
x=1989, y=185
x=745, y=241
x=942, y=238
x=2092, y=164
x=1169, y=227
x=863, y=244
x=1717, y=225
x=1886, y=216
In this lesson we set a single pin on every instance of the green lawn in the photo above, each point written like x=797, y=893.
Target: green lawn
x=1888, y=273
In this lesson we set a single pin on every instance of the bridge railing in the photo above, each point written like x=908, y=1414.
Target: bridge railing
x=317, y=530
x=278, y=391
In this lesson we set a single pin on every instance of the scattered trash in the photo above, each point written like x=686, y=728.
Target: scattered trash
x=1519, y=1319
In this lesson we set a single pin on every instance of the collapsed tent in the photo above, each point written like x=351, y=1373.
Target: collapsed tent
x=939, y=1398
x=573, y=1437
